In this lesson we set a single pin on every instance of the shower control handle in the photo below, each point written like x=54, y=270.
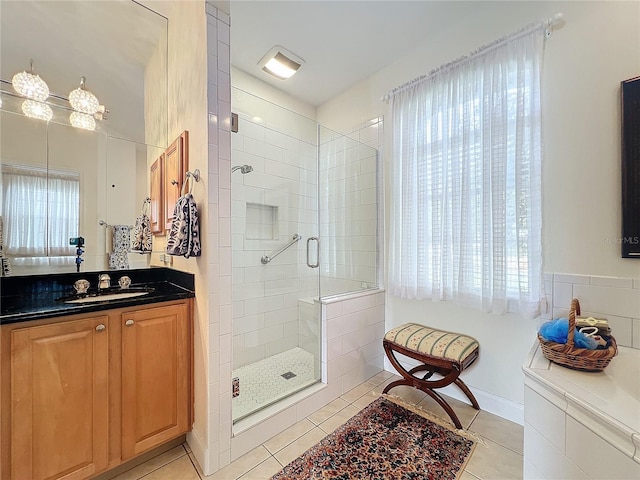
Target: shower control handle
x=317, y=264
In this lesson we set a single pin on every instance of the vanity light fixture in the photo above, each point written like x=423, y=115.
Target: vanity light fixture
x=280, y=62
x=30, y=85
x=38, y=110
x=82, y=120
x=86, y=107
x=82, y=100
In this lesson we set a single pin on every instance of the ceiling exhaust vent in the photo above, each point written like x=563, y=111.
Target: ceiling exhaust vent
x=280, y=62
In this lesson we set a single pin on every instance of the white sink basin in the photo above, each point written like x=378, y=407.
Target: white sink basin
x=106, y=297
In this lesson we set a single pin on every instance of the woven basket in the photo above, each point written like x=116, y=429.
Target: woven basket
x=567, y=355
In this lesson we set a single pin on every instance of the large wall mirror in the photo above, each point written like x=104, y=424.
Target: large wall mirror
x=59, y=180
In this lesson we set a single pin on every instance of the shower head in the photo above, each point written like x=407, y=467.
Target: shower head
x=243, y=169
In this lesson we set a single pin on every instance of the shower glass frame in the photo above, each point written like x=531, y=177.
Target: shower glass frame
x=276, y=308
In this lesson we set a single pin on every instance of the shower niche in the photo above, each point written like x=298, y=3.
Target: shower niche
x=262, y=222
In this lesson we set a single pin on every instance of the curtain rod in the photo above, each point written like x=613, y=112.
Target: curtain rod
x=551, y=24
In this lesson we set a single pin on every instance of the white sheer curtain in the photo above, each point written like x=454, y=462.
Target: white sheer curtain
x=31, y=198
x=466, y=187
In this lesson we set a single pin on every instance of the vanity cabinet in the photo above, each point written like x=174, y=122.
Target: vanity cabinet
x=60, y=399
x=155, y=377
x=85, y=393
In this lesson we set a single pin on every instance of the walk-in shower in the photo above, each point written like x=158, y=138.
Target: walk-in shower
x=303, y=227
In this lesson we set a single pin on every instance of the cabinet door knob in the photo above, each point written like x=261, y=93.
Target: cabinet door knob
x=129, y=322
x=174, y=182
x=100, y=328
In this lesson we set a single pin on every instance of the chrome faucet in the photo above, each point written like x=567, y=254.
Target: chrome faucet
x=104, y=281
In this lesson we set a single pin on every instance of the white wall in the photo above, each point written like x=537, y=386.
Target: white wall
x=248, y=83
x=126, y=187
x=187, y=67
x=187, y=99
x=584, y=64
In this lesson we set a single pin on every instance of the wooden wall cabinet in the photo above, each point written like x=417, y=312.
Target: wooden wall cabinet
x=85, y=394
x=167, y=175
x=156, y=210
x=176, y=164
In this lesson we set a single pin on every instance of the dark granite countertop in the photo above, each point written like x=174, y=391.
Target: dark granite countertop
x=38, y=296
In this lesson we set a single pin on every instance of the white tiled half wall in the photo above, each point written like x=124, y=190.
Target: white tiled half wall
x=353, y=328
x=614, y=298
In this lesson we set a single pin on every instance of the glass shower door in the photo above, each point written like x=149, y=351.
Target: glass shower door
x=276, y=313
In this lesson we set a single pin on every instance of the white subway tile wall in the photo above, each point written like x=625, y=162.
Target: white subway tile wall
x=614, y=298
x=217, y=447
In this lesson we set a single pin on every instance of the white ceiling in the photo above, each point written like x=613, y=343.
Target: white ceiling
x=107, y=42
x=342, y=42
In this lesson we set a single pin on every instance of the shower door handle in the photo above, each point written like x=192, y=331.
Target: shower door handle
x=309, y=264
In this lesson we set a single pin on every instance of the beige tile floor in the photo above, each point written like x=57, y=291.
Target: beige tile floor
x=500, y=457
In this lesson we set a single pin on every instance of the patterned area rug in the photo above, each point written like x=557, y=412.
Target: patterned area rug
x=384, y=441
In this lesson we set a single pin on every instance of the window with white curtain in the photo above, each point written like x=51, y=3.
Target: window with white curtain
x=40, y=210
x=466, y=185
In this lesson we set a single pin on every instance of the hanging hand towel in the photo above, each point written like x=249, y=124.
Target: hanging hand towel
x=184, y=236
x=142, y=238
x=5, y=266
x=119, y=260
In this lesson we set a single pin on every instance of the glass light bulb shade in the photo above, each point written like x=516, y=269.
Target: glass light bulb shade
x=30, y=86
x=83, y=101
x=82, y=120
x=39, y=110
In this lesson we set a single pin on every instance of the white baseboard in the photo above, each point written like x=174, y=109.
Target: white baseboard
x=488, y=402
x=491, y=403
x=200, y=451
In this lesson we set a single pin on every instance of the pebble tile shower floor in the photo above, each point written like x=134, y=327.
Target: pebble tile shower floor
x=269, y=380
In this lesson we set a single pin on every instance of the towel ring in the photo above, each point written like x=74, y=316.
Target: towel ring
x=146, y=206
x=195, y=175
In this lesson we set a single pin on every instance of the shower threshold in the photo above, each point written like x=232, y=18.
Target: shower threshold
x=268, y=381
